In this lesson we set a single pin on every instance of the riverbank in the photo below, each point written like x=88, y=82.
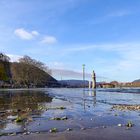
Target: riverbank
x=109, y=133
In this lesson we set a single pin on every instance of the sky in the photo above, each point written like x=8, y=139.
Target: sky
x=64, y=34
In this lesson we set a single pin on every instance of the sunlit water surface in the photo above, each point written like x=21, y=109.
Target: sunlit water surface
x=83, y=109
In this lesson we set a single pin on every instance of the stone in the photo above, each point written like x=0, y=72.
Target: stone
x=69, y=129
x=120, y=125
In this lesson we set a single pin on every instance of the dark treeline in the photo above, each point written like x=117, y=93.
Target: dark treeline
x=27, y=72
x=5, y=74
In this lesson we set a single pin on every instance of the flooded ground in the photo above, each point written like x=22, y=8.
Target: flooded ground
x=62, y=109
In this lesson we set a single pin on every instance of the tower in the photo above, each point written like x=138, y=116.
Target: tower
x=93, y=80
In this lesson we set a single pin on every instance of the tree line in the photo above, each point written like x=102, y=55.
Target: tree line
x=5, y=74
x=27, y=72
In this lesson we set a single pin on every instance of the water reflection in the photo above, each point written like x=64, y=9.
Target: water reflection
x=21, y=104
x=91, y=95
x=83, y=108
x=22, y=100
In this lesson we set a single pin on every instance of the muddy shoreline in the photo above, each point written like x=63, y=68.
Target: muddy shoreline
x=109, y=133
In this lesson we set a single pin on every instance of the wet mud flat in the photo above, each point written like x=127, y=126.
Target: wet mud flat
x=68, y=113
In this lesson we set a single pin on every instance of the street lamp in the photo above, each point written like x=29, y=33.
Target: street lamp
x=84, y=74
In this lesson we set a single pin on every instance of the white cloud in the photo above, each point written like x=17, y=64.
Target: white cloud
x=125, y=63
x=35, y=33
x=49, y=40
x=25, y=35
x=127, y=66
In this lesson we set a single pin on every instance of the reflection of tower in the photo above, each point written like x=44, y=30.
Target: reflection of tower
x=94, y=97
x=92, y=93
x=93, y=80
x=89, y=84
x=84, y=100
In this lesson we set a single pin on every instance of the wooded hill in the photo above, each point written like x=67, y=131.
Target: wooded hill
x=27, y=72
x=5, y=74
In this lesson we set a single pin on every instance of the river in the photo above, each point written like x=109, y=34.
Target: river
x=40, y=110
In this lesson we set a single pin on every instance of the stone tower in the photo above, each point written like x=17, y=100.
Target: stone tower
x=93, y=80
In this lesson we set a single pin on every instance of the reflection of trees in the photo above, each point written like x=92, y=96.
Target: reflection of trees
x=21, y=103
x=22, y=100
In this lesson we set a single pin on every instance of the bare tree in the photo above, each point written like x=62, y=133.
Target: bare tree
x=30, y=72
x=5, y=73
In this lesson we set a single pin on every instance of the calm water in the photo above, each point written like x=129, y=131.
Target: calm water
x=84, y=109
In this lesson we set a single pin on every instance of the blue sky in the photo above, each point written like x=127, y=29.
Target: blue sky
x=102, y=34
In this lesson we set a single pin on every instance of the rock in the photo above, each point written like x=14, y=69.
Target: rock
x=53, y=130
x=129, y=124
x=28, y=132
x=69, y=129
x=25, y=129
x=83, y=128
x=57, y=118
x=115, y=114
x=13, y=134
x=120, y=125
x=62, y=107
x=126, y=107
x=19, y=120
x=64, y=118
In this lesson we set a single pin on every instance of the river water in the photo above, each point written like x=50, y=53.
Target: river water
x=40, y=110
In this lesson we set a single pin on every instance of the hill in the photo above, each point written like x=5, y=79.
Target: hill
x=27, y=72
x=5, y=74
x=136, y=81
x=73, y=83
x=31, y=76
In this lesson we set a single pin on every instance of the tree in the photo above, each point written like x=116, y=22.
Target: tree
x=28, y=60
x=4, y=58
x=5, y=74
x=30, y=72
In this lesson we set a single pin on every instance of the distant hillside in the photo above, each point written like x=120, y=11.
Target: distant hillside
x=136, y=81
x=73, y=83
